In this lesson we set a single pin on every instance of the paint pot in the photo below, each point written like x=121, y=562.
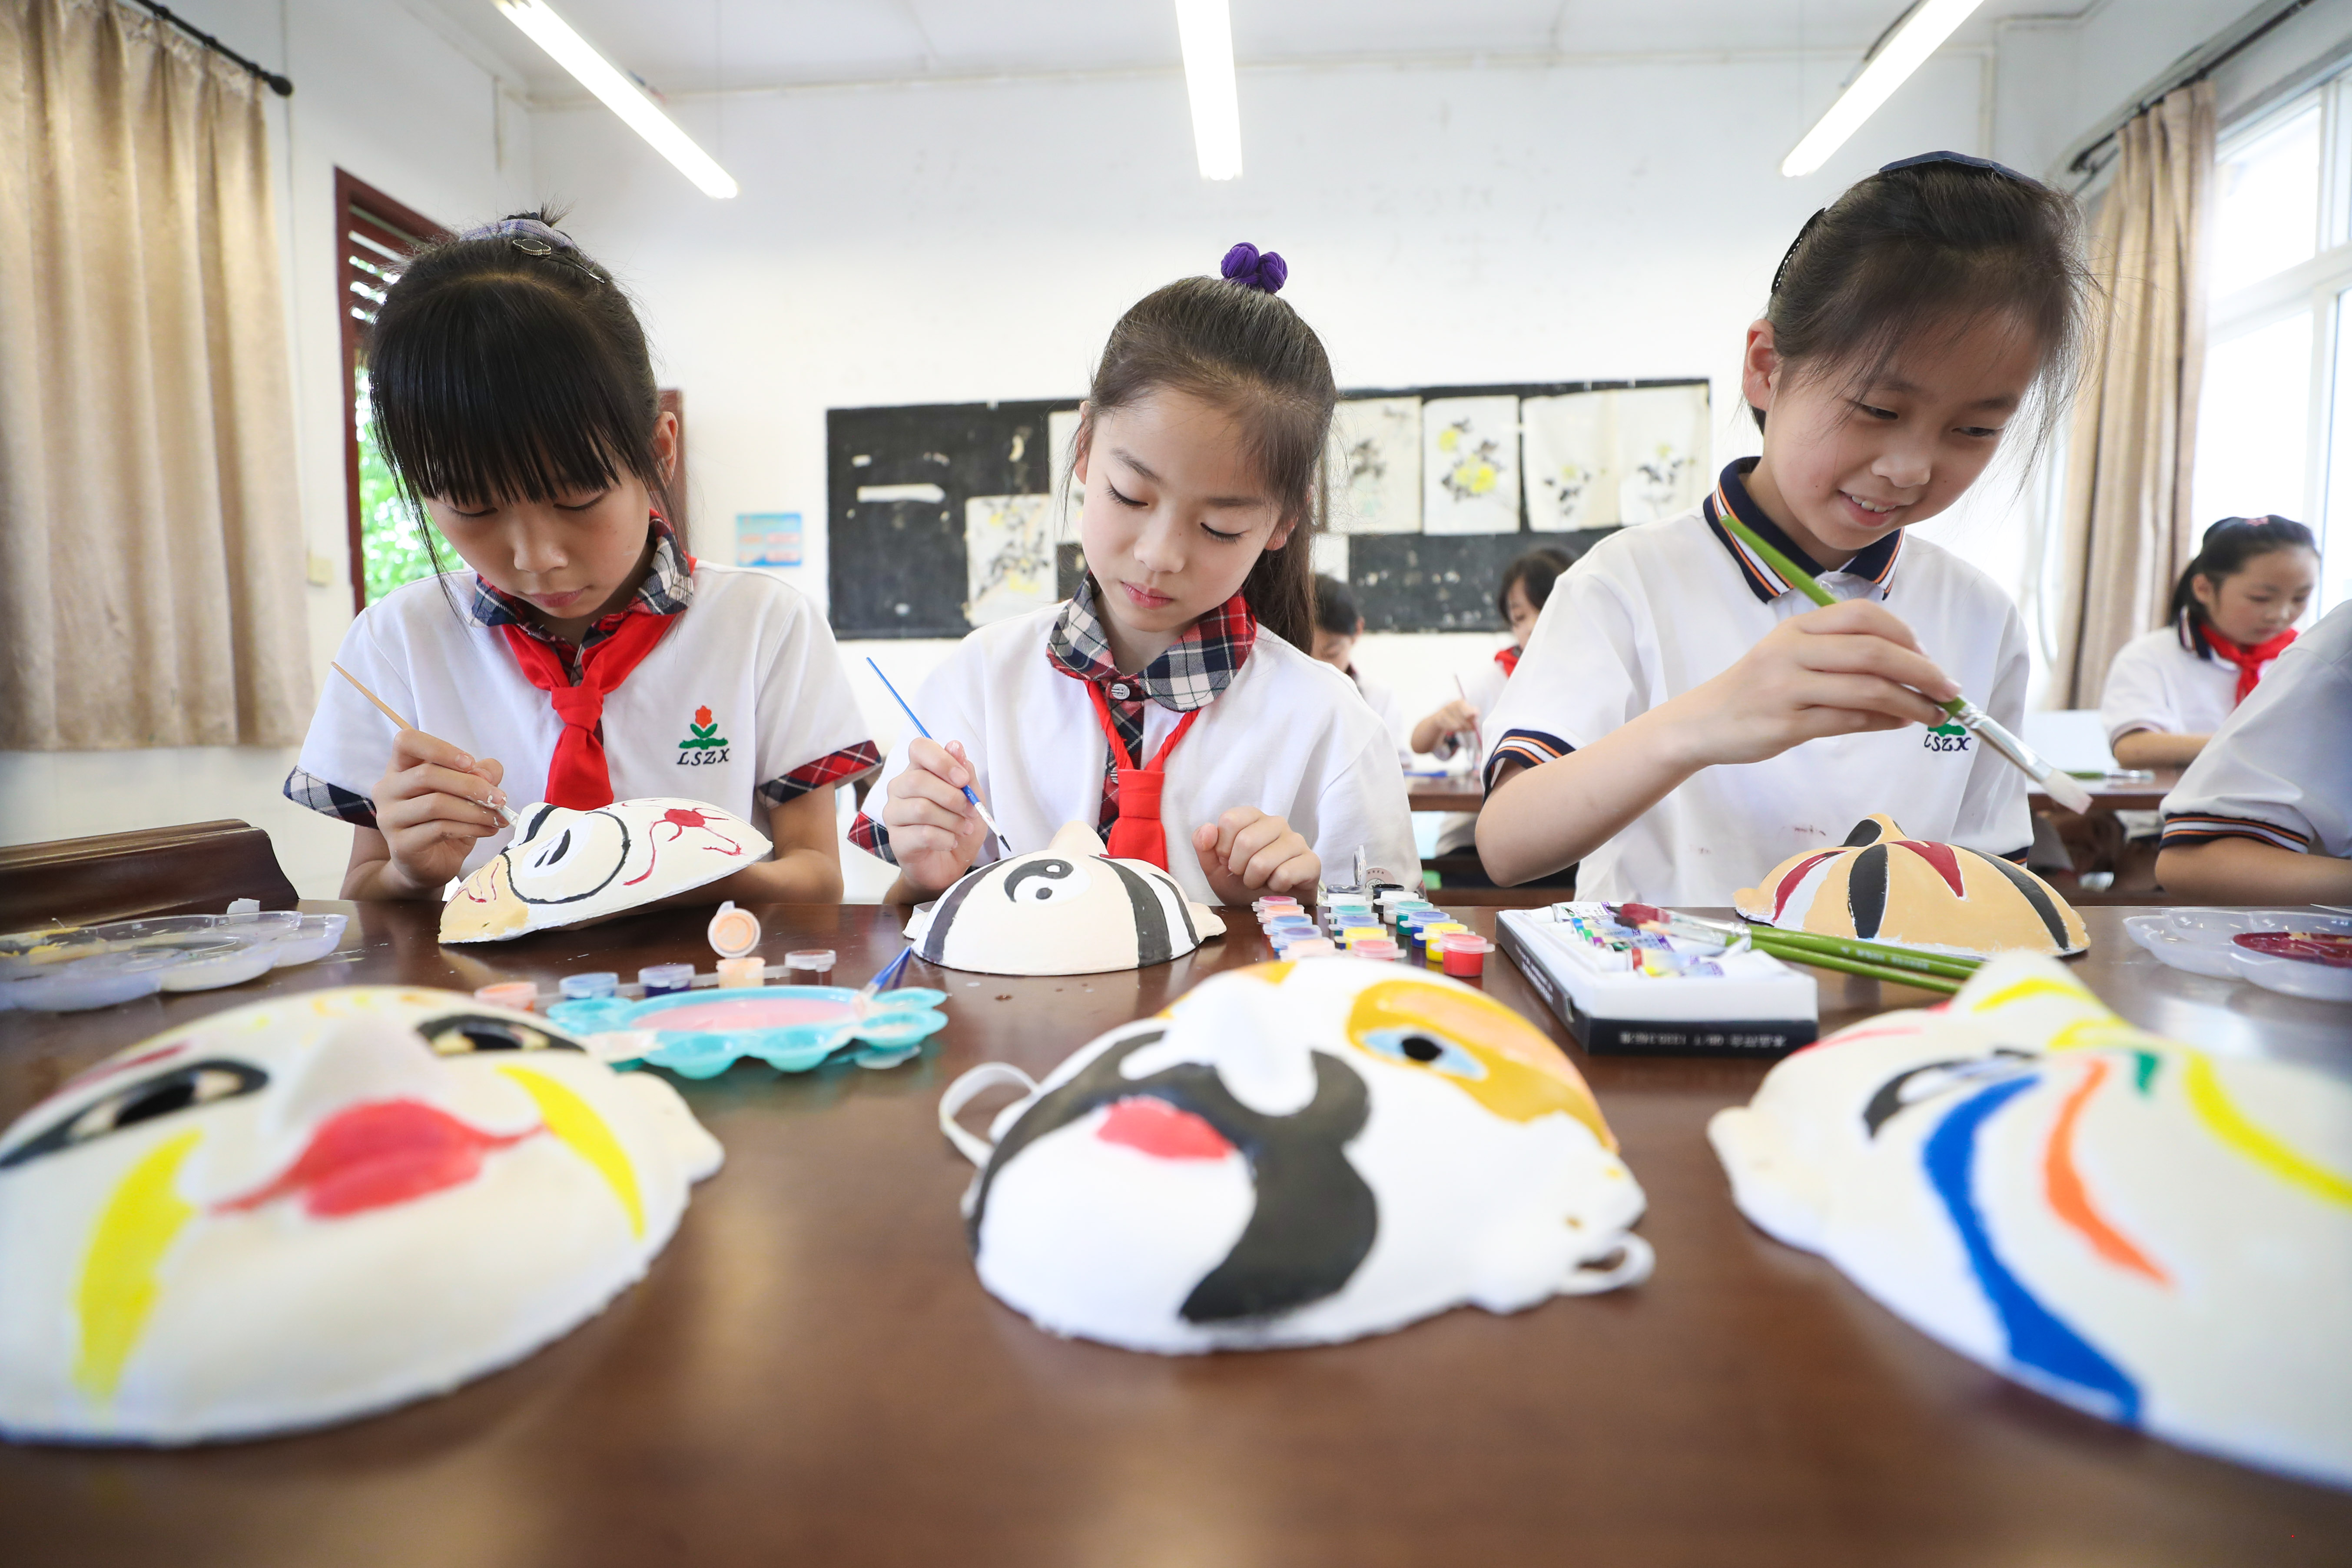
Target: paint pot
x=808, y=967
x=587, y=987
x=1466, y=954
x=1348, y=936
x=733, y=931
x=741, y=974
x=1379, y=949
x=666, y=979
x=1312, y=947
x=519, y=994
x=1432, y=947
x=1286, y=922
x=1416, y=926
x=1273, y=902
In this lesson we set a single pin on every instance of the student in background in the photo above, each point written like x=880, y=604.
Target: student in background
x=1526, y=584
x=1171, y=701
x=2233, y=613
x=585, y=656
x=1337, y=624
x=2265, y=813
x=1683, y=718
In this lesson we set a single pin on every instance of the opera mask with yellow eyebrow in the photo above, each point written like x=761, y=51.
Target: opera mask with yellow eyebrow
x=317, y=1208
x=1297, y=1155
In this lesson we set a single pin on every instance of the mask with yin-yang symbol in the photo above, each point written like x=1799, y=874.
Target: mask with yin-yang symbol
x=1067, y=909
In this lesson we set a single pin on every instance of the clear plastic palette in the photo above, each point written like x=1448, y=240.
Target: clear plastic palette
x=70, y=970
x=701, y=1034
x=2204, y=942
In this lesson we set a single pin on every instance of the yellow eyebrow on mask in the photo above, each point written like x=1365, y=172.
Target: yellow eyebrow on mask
x=582, y=1130
x=2232, y=1127
x=118, y=1279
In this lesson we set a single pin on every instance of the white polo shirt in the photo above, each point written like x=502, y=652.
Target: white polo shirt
x=2157, y=684
x=742, y=702
x=1457, y=831
x=1288, y=735
x=1661, y=607
x=2279, y=769
x=1383, y=701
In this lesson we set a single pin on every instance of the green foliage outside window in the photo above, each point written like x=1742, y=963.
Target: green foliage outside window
x=391, y=537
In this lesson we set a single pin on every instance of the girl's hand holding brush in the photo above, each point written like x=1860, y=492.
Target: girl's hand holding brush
x=432, y=804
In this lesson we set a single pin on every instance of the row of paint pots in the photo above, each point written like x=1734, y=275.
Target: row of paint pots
x=1398, y=929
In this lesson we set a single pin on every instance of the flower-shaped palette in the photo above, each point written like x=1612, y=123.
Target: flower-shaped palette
x=701, y=1034
x=2205, y=942
x=68, y=970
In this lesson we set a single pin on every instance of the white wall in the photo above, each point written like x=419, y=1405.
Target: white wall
x=382, y=92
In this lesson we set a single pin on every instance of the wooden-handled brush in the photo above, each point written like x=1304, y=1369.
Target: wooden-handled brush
x=384, y=708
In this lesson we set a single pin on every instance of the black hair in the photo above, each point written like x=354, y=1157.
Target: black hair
x=1246, y=350
x=1534, y=573
x=2224, y=552
x=1335, y=607
x=508, y=368
x=1934, y=249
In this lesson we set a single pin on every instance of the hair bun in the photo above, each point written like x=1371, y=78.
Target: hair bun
x=522, y=226
x=1252, y=268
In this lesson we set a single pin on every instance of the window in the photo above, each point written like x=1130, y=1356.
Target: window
x=374, y=234
x=2274, y=419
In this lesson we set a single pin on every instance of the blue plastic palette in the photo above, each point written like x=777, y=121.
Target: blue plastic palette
x=701, y=1034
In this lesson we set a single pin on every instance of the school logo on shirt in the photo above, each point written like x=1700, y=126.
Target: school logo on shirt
x=1946, y=738
x=705, y=747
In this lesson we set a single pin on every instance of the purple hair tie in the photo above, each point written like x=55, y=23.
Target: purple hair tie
x=1252, y=268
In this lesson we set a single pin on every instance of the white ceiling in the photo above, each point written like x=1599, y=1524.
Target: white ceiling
x=696, y=45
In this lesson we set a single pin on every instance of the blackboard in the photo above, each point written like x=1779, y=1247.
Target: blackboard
x=897, y=567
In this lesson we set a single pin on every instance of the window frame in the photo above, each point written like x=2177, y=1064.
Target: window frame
x=355, y=197
x=2317, y=285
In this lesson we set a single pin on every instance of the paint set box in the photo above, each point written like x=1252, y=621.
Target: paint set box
x=1624, y=992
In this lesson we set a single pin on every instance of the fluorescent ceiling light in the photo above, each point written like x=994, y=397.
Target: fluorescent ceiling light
x=1917, y=36
x=1206, y=27
x=621, y=96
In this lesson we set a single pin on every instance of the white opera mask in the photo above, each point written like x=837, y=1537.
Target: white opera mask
x=565, y=866
x=1067, y=909
x=2156, y=1235
x=1297, y=1153
x=317, y=1208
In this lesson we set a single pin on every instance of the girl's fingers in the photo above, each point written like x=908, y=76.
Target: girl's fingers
x=1298, y=871
x=428, y=779
x=913, y=812
x=1876, y=656
x=1858, y=616
x=1266, y=862
x=933, y=758
x=919, y=785
x=402, y=811
x=1868, y=694
x=412, y=746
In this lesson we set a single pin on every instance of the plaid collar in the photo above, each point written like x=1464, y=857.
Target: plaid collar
x=668, y=589
x=1195, y=668
x=1875, y=566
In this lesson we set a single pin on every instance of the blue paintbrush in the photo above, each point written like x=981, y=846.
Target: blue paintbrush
x=968, y=793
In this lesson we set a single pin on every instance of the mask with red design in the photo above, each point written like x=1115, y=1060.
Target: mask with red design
x=318, y=1207
x=566, y=867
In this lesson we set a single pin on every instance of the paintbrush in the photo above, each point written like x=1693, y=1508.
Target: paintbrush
x=384, y=708
x=968, y=793
x=886, y=975
x=2053, y=781
x=1477, y=730
x=1803, y=946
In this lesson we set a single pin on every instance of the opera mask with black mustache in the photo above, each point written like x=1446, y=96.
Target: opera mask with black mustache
x=565, y=866
x=1067, y=909
x=318, y=1207
x=1297, y=1153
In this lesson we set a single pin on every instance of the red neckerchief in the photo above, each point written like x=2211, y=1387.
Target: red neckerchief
x=1137, y=833
x=2249, y=660
x=1509, y=659
x=577, y=777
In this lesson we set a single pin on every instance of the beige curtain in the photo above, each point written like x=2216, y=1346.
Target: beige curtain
x=151, y=546
x=2126, y=531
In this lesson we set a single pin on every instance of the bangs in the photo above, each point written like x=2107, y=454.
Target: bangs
x=493, y=390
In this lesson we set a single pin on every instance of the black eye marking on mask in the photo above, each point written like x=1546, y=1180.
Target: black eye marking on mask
x=1048, y=871
x=943, y=913
x=1420, y=1048
x=561, y=849
x=1316, y=1216
x=181, y=1088
x=1891, y=1096
x=463, y=1034
x=538, y=820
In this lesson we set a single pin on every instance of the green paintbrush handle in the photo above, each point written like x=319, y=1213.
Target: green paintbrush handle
x=1796, y=576
x=1885, y=954
x=1873, y=971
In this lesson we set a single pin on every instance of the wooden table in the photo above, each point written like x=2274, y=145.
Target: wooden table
x=812, y=1374
x=2111, y=793
x=1444, y=795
